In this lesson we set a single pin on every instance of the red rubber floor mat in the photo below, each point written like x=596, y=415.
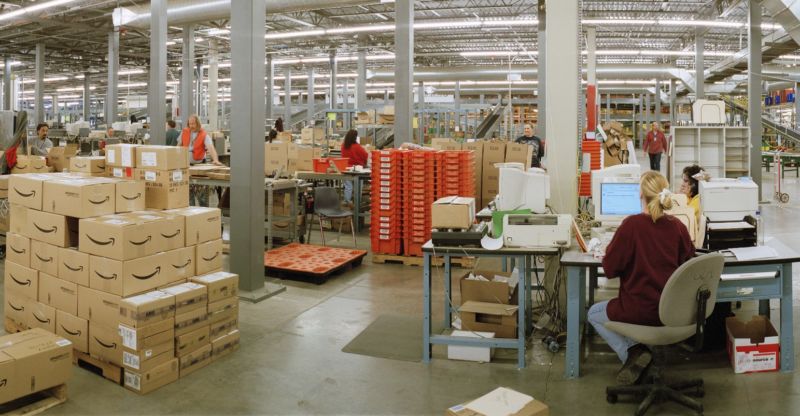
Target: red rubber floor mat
x=311, y=260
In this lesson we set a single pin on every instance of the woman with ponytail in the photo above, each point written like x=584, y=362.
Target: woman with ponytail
x=644, y=252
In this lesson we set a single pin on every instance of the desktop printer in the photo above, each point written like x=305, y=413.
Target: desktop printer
x=729, y=207
x=532, y=230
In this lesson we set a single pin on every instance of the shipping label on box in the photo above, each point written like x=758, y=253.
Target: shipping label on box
x=753, y=346
x=73, y=266
x=209, y=257
x=58, y=293
x=128, y=277
x=121, y=237
x=87, y=164
x=121, y=155
x=99, y=307
x=27, y=190
x=105, y=343
x=120, y=172
x=220, y=285
x=202, y=224
x=21, y=280
x=18, y=249
x=44, y=257
x=162, y=157
x=148, y=358
x=147, y=336
x=129, y=196
x=145, y=382
x=54, y=229
x=165, y=189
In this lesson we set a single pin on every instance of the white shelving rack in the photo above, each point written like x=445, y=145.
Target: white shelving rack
x=722, y=151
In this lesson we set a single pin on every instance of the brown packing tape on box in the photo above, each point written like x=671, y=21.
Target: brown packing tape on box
x=58, y=293
x=73, y=266
x=147, y=336
x=224, y=309
x=144, y=309
x=195, y=360
x=222, y=327
x=188, y=296
x=191, y=321
x=191, y=341
x=21, y=280
x=147, y=381
x=99, y=307
x=224, y=345
x=32, y=361
x=73, y=328
x=18, y=249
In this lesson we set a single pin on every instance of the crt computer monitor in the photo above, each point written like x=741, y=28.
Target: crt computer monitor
x=619, y=199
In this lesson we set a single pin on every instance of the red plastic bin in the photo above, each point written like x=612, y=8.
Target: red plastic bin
x=323, y=164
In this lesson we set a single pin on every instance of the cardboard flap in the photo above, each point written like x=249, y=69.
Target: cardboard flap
x=489, y=308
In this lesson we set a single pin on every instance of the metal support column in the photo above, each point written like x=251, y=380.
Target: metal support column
x=87, y=96
x=361, y=79
x=55, y=108
x=113, y=75
x=386, y=97
x=457, y=105
x=334, y=80
x=157, y=91
x=287, y=100
x=213, y=87
x=270, y=99
x=754, y=90
x=608, y=107
x=796, y=105
x=541, y=75
x=657, y=111
x=699, y=65
x=311, y=98
x=563, y=92
x=247, y=156
x=198, y=90
x=39, y=95
x=421, y=114
x=7, y=84
x=403, y=71
x=346, y=102
x=647, y=119
x=673, y=94
x=591, y=59
x=187, y=75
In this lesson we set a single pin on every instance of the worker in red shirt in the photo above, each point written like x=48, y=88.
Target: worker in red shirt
x=644, y=252
x=654, y=145
x=356, y=156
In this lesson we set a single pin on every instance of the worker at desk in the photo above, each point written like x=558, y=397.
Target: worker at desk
x=41, y=144
x=692, y=175
x=644, y=252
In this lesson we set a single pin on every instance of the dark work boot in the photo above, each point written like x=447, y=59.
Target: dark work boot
x=639, y=357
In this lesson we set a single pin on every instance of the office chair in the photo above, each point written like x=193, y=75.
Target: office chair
x=327, y=206
x=687, y=300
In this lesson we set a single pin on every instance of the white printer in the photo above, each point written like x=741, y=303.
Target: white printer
x=726, y=199
x=537, y=230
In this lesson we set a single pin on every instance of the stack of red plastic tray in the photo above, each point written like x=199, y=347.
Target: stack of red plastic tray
x=456, y=173
x=593, y=148
x=419, y=193
x=386, y=226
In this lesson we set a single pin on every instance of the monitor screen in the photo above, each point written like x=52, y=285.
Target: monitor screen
x=620, y=199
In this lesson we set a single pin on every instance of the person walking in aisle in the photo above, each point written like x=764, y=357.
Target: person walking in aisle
x=200, y=146
x=531, y=140
x=654, y=145
x=172, y=133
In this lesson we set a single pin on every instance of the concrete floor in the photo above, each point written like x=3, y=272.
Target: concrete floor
x=290, y=360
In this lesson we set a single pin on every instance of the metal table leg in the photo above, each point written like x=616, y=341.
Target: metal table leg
x=787, y=328
x=356, y=180
x=270, y=219
x=526, y=270
x=426, y=306
x=448, y=295
x=575, y=279
x=521, y=315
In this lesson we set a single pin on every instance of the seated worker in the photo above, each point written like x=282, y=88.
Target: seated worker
x=692, y=175
x=537, y=143
x=644, y=252
x=356, y=156
x=41, y=145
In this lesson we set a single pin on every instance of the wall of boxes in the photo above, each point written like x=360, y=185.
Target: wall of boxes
x=111, y=257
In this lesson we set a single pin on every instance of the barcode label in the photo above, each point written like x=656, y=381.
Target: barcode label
x=385, y=189
x=177, y=176
x=150, y=176
x=386, y=207
x=386, y=195
x=130, y=360
x=63, y=342
x=149, y=159
x=384, y=237
x=133, y=381
x=117, y=172
x=111, y=156
x=128, y=337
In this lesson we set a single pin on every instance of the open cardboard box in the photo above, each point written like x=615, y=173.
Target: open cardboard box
x=753, y=346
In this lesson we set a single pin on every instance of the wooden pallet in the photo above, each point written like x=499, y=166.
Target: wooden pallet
x=463, y=262
x=109, y=371
x=35, y=403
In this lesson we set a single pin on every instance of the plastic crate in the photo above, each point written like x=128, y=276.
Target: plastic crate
x=323, y=165
x=393, y=246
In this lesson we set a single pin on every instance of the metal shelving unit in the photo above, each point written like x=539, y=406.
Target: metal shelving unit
x=722, y=151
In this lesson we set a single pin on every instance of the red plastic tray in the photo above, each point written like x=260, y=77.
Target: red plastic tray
x=311, y=260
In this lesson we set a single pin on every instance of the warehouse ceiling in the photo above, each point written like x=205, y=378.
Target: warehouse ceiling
x=448, y=34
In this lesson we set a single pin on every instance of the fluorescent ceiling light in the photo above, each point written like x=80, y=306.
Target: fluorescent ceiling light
x=34, y=8
x=297, y=34
x=217, y=32
x=13, y=63
x=170, y=43
x=357, y=29
x=382, y=17
x=51, y=79
x=199, y=39
x=298, y=21
x=132, y=72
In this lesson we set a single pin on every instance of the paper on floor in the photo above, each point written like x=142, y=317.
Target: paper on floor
x=500, y=401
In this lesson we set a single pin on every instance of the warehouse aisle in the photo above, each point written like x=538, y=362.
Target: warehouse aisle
x=290, y=359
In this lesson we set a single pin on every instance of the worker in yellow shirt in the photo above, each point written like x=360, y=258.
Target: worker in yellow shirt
x=692, y=175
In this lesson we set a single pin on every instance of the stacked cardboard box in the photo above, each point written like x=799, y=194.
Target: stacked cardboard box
x=82, y=263
x=222, y=316
x=33, y=361
x=31, y=164
x=165, y=170
x=60, y=157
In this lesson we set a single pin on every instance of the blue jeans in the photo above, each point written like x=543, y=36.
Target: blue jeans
x=348, y=191
x=620, y=344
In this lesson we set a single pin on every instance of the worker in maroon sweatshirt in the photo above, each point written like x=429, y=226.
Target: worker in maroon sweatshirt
x=644, y=252
x=654, y=145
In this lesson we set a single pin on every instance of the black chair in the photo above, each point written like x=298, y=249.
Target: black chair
x=328, y=207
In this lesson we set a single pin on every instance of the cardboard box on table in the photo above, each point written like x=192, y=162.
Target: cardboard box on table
x=453, y=212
